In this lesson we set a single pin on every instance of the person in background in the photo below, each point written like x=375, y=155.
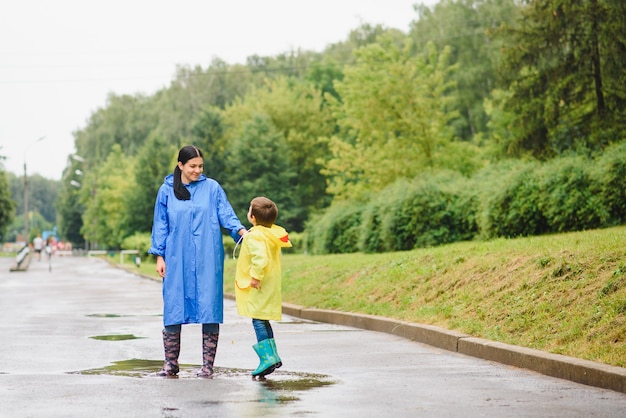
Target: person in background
x=258, y=280
x=38, y=244
x=189, y=212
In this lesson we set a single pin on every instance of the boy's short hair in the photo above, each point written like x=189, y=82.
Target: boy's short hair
x=264, y=210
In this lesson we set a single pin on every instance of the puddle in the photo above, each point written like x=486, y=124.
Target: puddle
x=120, y=337
x=277, y=388
x=279, y=380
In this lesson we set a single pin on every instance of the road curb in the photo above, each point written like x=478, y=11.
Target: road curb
x=563, y=367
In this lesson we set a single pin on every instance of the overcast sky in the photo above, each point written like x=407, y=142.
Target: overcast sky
x=60, y=59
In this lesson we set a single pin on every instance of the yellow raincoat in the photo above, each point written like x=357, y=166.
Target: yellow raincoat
x=260, y=258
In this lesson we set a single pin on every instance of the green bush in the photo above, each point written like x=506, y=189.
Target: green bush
x=434, y=210
x=508, y=199
x=419, y=217
x=609, y=182
x=334, y=231
x=512, y=204
x=566, y=197
x=370, y=239
x=140, y=241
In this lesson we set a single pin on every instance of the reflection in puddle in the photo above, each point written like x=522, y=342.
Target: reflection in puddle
x=278, y=388
x=120, y=337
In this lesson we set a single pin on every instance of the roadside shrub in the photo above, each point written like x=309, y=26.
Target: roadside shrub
x=370, y=239
x=140, y=241
x=419, y=217
x=336, y=230
x=566, y=198
x=609, y=182
x=424, y=212
x=511, y=205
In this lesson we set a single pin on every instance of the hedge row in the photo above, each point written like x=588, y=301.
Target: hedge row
x=506, y=200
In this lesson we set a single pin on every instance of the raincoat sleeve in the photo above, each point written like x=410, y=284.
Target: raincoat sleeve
x=227, y=217
x=259, y=258
x=160, y=225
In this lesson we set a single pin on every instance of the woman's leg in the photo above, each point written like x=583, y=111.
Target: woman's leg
x=171, y=346
x=210, y=337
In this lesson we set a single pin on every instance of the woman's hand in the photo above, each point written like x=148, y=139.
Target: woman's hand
x=160, y=266
x=254, y=283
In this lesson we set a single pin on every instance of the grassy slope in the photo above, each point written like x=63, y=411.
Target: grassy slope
x=562, y=293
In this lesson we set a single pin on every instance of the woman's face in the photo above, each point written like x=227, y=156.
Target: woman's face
x=191, y=170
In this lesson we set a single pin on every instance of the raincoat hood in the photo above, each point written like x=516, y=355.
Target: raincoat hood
x=275, y=234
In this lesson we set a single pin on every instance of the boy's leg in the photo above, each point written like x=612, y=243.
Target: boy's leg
x=267, y=360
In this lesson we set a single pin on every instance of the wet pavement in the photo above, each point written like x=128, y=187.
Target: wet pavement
x=85, y=340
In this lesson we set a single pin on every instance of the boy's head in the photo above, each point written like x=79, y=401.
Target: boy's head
x=262, y=211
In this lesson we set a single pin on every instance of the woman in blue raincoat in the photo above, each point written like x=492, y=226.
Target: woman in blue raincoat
x=189, y=213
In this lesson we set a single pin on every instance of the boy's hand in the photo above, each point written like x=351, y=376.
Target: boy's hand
x=255, y=283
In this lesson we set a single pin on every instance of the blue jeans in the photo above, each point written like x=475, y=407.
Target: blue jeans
x=206, y=329
x=263, y=329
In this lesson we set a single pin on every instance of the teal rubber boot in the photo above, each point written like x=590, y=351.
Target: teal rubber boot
x=266, y=357
x=279, y=362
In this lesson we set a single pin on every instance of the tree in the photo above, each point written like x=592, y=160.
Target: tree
x=464, y=26
x=157, y=159
x=295, y=111
x=207, y=133
x=259, y=166
x=7, y=206
x=393, y=118
x=105, y=197
x=564, y=66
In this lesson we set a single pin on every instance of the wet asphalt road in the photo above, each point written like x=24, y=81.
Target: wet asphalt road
x=84, y=340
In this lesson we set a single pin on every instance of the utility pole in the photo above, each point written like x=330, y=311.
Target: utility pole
x=26, y=230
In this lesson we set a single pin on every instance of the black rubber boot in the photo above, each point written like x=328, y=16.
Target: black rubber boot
x=209, y=349
x=171, y=346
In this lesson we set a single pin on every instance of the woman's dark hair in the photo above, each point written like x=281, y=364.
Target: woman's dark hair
x=185, y=154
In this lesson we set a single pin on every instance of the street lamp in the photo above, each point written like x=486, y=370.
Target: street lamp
x=26, y=238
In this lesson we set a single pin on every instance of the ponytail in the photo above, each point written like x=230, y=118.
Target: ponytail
x=180, y=190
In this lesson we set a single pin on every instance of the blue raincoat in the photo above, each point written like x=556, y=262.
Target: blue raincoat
x=188, y=235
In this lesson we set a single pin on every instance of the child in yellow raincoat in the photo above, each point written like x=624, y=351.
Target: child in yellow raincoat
x=258, y=279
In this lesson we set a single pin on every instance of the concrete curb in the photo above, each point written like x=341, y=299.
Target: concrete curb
x=563, y=367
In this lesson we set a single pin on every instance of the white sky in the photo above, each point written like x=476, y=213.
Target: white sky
x=60, y=59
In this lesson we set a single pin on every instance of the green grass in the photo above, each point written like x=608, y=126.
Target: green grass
x=563, y=293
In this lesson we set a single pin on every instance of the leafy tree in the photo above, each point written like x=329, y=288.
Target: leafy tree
x=564, y=66
x=259, y=166
x=7, y=206
x=296, y=112
x=464, y=26
x=105, y=198
x=156, y=159
x=393, y=118
x=70, y=215
x=42, y=195
x=125, y=120
x=207, y=133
